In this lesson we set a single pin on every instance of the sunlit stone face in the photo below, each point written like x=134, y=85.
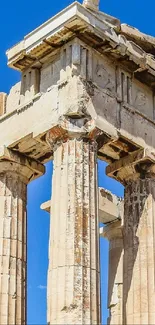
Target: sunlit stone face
x=92, y=4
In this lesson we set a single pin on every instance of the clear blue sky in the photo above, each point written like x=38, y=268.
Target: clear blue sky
x=18, y=18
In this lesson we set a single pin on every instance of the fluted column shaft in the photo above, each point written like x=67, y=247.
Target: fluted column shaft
x=12, y=249
x=113, y=232
x=139, y=252
x=16, y=171
x=73, y=276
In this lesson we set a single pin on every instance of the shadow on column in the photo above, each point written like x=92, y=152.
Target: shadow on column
x=137, y=230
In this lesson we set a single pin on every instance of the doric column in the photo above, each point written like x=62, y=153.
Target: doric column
x=113, y=232
x=138, y=175
x=74, y=273
x=139, y=251
x=15, y=172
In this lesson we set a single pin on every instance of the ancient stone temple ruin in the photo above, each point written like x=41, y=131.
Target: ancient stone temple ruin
x=87, y=92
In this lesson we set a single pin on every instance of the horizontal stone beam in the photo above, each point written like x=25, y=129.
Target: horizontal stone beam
x=111, y=207
x=77, y=19
x=21, y=161
x=136, y=163
x=65, y=75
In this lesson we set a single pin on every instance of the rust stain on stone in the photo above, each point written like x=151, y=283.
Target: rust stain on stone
x=78, y=232
x=85, y=224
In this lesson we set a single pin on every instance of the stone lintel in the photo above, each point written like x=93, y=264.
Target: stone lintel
x=29, y=167
x=110, y=145
x=111, y=207
x=115, y=113
x=132, y=166
x=147, y=42
x=34, y=145
x=47, y=38
x=80, y=96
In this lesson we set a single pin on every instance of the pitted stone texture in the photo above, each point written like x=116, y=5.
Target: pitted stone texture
x=12, y=249
x=111, y=207
x=139, y=266
x=73, y=276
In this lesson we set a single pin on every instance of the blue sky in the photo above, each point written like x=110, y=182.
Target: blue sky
x=18, y=18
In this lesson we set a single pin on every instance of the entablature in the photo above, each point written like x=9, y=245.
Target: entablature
x=134, y=51
x=79, y=83
x=81, y=64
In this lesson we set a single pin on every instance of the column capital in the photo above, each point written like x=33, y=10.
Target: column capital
x=139, y=164
x=70, y=128
x=112, y=230
x=17, y=163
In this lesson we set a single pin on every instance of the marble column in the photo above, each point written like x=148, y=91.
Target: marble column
x=13, y=235
x=137, y=172
x=139, y=251
x=74, y=273
x=113, y=232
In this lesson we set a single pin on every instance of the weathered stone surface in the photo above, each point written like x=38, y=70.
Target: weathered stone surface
x=147, y=42
x=110, y=212
x=12, y=249
x=15, y=172
x=137, y=172
x=79, y=77
x=91, y=4
x=132, y=166
x=87, y=83
x=73, y=276
x=110, y=206
x=139, y=267
x=114, y=233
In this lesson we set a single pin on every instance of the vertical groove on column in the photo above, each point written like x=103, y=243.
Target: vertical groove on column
x=139, y=267
x=73, y=276
x=78, y=229
x=12, y=249
x=69, y=213
x=115, y=285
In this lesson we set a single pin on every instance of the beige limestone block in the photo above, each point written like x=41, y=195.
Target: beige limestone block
x=110, y=206
x=13, y=98
x=29, y=86
x=73, y=275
